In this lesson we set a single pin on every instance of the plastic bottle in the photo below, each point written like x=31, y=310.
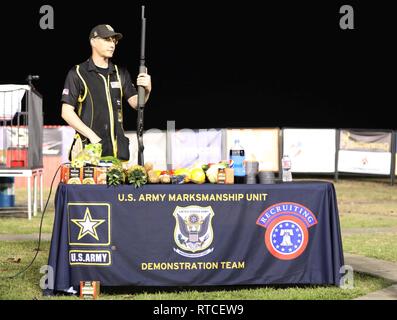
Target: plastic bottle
x=221, y=176
x=286, y=168
x=237, y=155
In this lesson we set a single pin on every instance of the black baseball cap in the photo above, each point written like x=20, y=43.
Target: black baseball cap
x=104, y=31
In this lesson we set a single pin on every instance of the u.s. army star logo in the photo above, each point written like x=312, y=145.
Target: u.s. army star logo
x=88, y=225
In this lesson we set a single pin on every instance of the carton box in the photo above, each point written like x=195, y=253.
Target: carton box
x=100, y=175
x=229, y=172
x=70, y=175
x=88, y=175
x=89, y=289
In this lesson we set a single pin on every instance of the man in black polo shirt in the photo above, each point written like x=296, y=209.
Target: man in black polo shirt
x=93, y=95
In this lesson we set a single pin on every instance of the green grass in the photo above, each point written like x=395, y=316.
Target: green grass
x=368, y=204
x=363, y=284
x=366, y=197
x=380, y=245
x=22, y=225
x=365, y=190
x=359, y=220
x=381, y=208
x=21, y=196
x=26, y=286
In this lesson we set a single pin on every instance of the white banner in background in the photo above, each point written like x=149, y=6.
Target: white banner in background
x=310, y=150
x=364, y=162
x=67, y=140
x=259, y=144
x=359, y=140
x=191, y=147
x=155, y=142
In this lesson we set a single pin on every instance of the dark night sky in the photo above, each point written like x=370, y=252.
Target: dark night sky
x=233, y=64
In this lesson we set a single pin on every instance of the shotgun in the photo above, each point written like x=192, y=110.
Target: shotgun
x=141, y=91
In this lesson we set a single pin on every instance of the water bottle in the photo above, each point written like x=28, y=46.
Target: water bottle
x=286, y=167
x=237, y=155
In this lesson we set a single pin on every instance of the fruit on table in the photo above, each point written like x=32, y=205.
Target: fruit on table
x=165, y=178
x=212, y=172
x=185, y=172
x=197, y=175
x=153, y=177
x=148, y=166
x=157, y=172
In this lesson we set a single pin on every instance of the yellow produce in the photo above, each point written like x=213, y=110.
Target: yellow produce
x=197, y=175
x=165, y=178
x=185, y=172
x=157, y=172
x=153, y=177
x=212, y=172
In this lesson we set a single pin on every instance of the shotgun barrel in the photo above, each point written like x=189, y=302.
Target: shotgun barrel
x=141, y=91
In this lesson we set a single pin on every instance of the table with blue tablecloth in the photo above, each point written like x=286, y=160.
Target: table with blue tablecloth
x=196, y=235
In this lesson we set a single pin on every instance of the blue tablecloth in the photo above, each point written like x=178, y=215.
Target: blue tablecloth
x=196, y=235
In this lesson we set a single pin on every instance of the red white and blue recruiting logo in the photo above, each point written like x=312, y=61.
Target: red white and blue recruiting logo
x=286, y=224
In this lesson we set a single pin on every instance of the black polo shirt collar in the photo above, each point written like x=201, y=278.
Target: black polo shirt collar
x=92, y=66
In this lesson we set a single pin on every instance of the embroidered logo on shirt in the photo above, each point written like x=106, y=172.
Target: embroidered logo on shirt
x=65, y=92
x=115, y=84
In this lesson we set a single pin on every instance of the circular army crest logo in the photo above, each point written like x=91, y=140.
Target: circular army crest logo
x=286, y=238
x=286, y=224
